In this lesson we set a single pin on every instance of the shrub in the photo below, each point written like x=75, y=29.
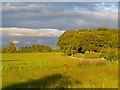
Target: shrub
x=92, y=55
x=79, y=55
x=111, y=54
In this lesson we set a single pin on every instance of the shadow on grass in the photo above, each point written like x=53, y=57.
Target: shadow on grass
x=52, y=81
x=10, y=60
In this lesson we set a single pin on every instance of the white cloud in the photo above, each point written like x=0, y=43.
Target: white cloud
x=107, y=7
x=28, y=42
x=31, y=32
x=16, y=41
x=106, y=13
x=9, y=6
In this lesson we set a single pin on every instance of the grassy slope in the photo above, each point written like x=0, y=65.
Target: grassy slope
x=55, y=70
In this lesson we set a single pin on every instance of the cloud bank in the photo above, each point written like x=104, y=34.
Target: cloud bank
x=60, y=15
x=31, y=32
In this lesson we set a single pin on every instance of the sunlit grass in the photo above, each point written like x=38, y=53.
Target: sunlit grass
x=56, y=69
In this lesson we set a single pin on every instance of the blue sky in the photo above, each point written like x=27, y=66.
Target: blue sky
x=43, y=23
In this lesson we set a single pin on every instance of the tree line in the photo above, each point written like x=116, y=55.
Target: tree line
x=74, y=41
x=93, y=39
x=34, y=48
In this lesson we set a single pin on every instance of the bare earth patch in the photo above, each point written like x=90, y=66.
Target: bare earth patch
x=92, y=61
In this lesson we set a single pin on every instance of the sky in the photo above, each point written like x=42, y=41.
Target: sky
x=28, y=23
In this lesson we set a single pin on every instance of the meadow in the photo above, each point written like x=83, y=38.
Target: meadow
x=55, y=70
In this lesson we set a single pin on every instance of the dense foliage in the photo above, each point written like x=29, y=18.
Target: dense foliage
x=35, y=48
x=26, y=49
x=110, y=54
x=82, y=40
x=10, y=48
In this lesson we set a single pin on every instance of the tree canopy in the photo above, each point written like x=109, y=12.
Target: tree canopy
x=10, y=48
x=34, y=48
x=94, y=39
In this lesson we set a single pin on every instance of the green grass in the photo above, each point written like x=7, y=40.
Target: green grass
x=55, y=70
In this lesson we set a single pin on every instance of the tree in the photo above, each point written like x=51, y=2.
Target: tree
x=82, y=40
x=3, y=50
x=11, y=48
x=34, y=48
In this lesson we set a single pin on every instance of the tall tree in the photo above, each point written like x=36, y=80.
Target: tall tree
x=11, y=48
x=94, y=39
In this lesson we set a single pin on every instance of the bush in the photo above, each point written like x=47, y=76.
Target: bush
x=92, y=55
x=79, y=55
x=87, y=54
x=111, y=54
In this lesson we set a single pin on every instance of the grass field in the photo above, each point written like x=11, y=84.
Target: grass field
x=55, y=70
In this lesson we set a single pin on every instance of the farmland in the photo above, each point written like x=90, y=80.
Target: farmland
x=55, y=70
